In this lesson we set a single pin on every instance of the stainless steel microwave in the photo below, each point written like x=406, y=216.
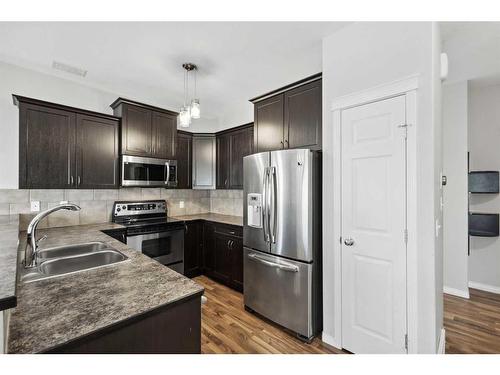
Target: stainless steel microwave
x=141, y=171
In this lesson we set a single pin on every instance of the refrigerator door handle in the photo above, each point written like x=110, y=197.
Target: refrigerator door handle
x=274, y=210
x=283, y=267
x=265, y=208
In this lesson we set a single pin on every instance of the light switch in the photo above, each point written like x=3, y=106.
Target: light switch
x=35, y=206
x=181, y=204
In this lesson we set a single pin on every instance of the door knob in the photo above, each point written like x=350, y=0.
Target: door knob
x=348, y=242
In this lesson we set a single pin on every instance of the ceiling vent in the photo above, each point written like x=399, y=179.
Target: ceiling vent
x=69, y=69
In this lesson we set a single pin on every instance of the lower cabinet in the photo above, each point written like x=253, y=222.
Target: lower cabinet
x=193, y=245
x=219, y=254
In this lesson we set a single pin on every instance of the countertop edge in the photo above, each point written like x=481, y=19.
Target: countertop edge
x=9, y=233
x=123, y=322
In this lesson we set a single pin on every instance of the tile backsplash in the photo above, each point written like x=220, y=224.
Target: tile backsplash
x=97, y=204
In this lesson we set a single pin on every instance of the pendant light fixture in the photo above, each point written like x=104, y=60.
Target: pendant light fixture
x=190, y=109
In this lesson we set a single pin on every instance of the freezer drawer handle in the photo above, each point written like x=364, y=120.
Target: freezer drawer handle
x=283, y=267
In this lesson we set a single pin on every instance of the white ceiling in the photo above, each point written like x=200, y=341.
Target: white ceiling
x=473, y=50
x=142, y=61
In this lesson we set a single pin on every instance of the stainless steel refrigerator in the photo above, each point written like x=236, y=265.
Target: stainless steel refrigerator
x=282, y=238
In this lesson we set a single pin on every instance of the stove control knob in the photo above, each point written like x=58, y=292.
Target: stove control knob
x=124, y=207
x=118, y=209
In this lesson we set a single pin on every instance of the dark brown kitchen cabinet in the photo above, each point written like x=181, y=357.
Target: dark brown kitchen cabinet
x=241, y=145
x=232, y=146
x=193, y=246
x=64, y=147
x=222, y=158
x=146, y=130
x=208, y=248
x=164, y=135
x=268, y=124
x=290, y=117
x=184, y=150
x=137, y=131
x=96, y=152
x=237, y=264
x=222, y=257
x=302, y=127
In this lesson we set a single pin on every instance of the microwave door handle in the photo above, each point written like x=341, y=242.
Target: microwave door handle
x=167, y=166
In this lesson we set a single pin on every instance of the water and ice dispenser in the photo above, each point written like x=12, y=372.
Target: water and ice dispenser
x=254, y=210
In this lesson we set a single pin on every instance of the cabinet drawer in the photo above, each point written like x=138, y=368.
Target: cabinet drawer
x=231, y=230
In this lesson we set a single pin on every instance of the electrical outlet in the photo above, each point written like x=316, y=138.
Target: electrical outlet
x=35, y=206
x=181, y=204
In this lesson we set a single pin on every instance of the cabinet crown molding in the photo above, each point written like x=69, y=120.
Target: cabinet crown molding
x=121, y=100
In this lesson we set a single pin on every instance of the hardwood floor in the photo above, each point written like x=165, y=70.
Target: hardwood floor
x=227, y=328
x=472, y=325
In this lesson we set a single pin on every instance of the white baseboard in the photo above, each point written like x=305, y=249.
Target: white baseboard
x=330, y=340
x=456, y=292
x=484, y=287
x=442, y=342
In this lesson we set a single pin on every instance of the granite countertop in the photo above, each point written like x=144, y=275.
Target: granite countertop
x=218, y=218
x=9, y=235
x=54, y=311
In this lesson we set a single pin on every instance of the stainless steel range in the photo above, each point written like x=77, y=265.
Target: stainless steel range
x=152, y=232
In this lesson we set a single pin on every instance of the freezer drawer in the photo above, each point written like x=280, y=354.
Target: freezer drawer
x=281, y=290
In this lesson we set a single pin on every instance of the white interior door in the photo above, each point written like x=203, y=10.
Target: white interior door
x=374, y=227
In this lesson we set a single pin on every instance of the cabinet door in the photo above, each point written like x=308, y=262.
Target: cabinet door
x=164, y=135
x=204, y=162
x=268, y=117
x=192, y=250
x=208, y=248
x=237, y=264
x=184, y=160
x=223, y=161
x=137, y=131
x=222, y=258
x=241, y=145
x=46, y=147
x=96, y=152
x=303, y=116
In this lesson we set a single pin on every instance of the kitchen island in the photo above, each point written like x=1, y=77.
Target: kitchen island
x=135, y=306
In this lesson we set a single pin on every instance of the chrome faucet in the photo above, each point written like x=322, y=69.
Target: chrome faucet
x=31, y=250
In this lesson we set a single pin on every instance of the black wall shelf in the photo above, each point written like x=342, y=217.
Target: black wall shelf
x=483, y=224
x=483, y=182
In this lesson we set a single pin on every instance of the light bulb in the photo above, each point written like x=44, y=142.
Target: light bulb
x=195, y=108
x=185, y=117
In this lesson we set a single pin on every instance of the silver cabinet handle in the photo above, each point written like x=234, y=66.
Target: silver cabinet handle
x=71, y=181
x=348, y=242
x=79, y=181
x=283, y=267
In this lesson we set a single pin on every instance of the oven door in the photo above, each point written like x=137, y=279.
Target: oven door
x=165, y=247
x=139, y=171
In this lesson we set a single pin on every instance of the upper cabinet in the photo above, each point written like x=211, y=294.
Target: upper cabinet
x=204, y=159
x=289, y=117
x=62, y=147
x=184, y=159
x=146, y=130
x=232, y=146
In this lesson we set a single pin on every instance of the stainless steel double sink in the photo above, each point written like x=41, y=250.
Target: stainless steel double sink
x=64, y=260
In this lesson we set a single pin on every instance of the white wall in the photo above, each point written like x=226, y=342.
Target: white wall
x=484, y=148
x=17, y=80
x=361, y=56
x=456, y=206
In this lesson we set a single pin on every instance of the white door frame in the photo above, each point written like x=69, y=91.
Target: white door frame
x=332, y=215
